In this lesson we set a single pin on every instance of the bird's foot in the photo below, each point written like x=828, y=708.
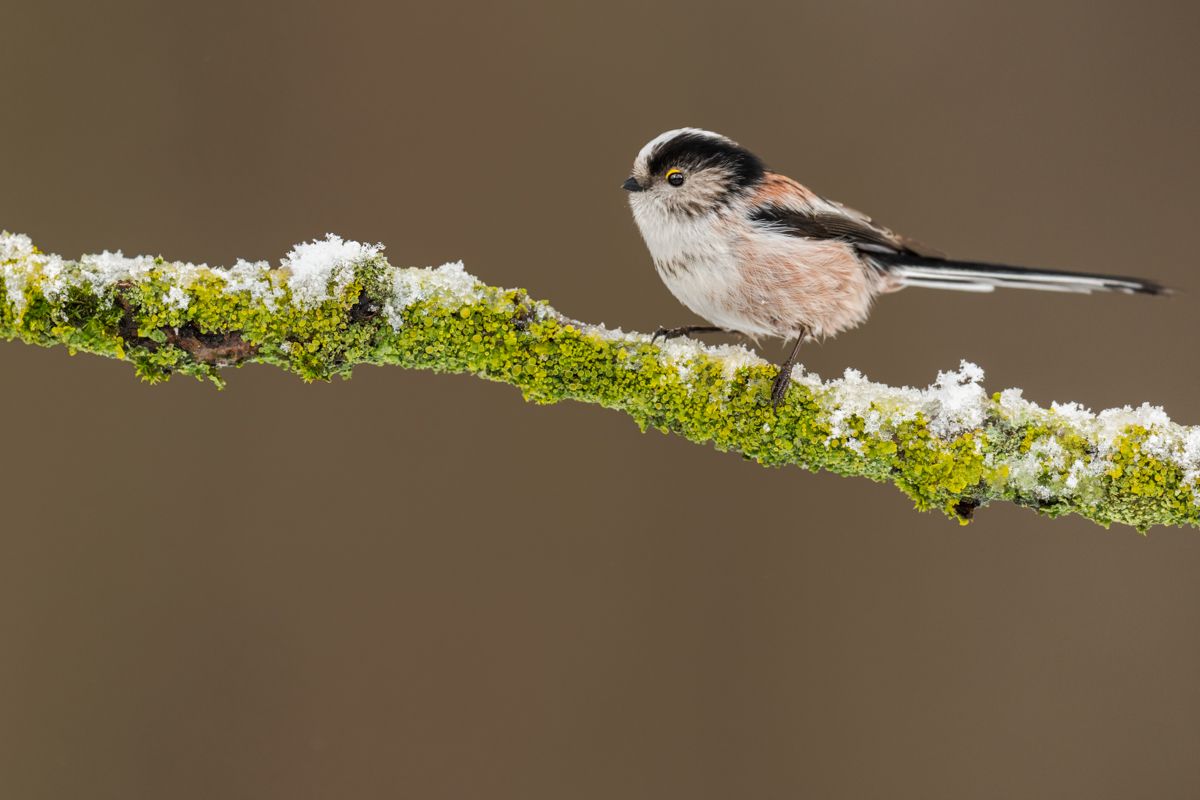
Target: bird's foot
x=782, y=382
x=683, y=330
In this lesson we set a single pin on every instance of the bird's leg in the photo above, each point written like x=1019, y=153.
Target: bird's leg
x=784, y=379
x=685, y=330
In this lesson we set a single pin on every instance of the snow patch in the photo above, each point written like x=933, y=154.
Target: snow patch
x=449, y=284
x=682, y=353
x=956, y=402
x=1165, y=440
x=177, y=298
x=103, y=270
x=614, y=334
x=322, y=269
x=19, y=260
x=253, y=277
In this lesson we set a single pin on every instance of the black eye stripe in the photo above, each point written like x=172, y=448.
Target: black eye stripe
x=701, y=151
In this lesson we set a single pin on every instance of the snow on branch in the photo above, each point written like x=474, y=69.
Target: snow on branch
x=332, y=304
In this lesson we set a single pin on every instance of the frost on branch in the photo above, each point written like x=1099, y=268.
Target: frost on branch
x=332, y=304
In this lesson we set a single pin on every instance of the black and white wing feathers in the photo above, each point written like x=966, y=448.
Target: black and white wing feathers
x=910, y=264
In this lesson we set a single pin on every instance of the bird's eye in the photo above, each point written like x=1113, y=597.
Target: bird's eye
x=675, y=177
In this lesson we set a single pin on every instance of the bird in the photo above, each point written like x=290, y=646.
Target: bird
x=755, y=252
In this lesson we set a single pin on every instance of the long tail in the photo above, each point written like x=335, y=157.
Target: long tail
x=970, y=276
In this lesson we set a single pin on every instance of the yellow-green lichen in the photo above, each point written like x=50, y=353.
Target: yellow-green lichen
x=168, y=318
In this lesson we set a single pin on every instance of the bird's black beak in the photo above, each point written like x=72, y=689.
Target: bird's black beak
x=631, y=185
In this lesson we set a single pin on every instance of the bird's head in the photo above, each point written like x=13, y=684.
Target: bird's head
x=690, y=171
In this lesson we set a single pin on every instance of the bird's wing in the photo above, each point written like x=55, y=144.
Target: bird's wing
x=790, y=208
x=786, y=207
x=815, y=223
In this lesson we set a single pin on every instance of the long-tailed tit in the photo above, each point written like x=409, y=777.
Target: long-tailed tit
x=755, y=252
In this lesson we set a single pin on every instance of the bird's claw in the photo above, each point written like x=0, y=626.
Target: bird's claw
x=684, y=330
x=783, y=382
x=669, y=333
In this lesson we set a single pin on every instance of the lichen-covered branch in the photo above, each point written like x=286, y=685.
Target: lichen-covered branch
x=332, y=304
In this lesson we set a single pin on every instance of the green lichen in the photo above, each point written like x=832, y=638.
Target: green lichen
x=1040, y=460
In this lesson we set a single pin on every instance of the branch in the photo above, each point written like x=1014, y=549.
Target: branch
x=333, y=304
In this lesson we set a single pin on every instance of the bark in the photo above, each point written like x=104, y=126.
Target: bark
x=950, y=446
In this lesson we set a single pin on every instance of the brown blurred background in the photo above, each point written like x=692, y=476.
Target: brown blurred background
x=412, y=585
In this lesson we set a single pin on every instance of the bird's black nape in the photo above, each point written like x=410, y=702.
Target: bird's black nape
x=697, y=150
